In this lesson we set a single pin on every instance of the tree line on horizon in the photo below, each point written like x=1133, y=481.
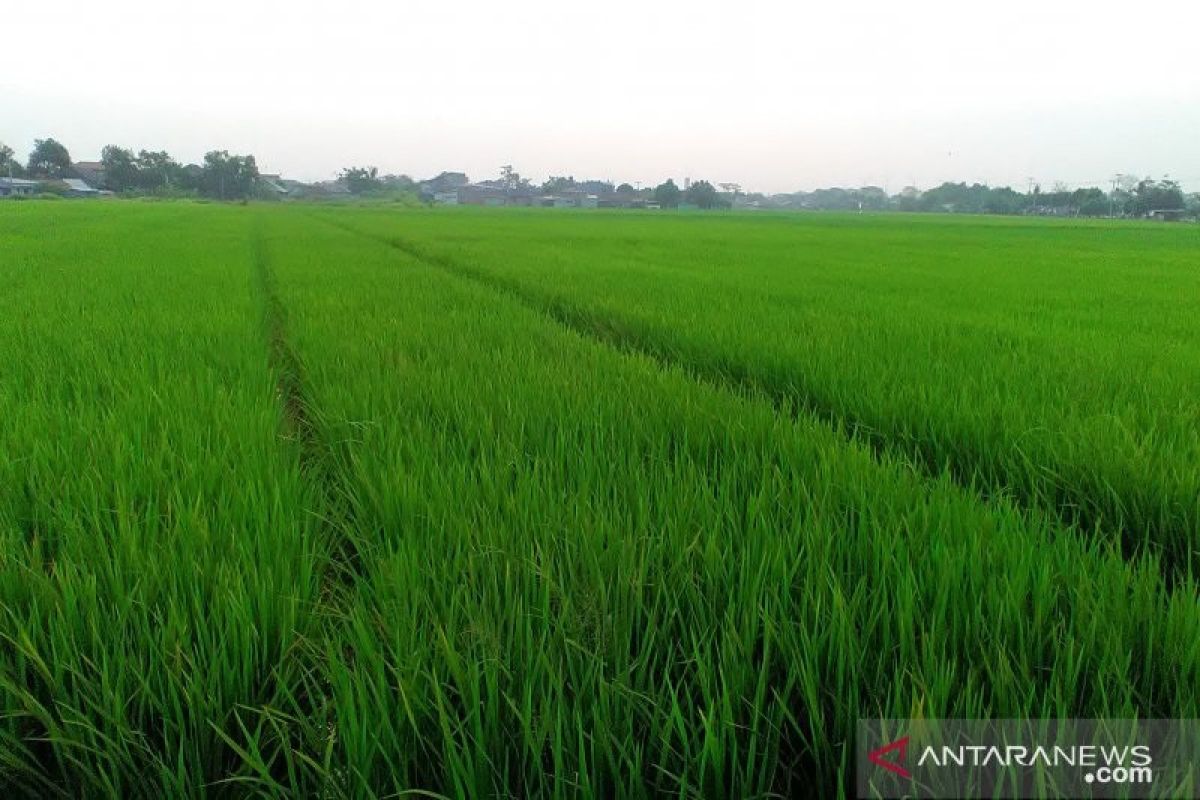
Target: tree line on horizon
x=224, y=176
x=221, y=176
x=1133, y=197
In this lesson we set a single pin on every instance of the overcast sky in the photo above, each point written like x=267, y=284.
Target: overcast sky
x=775, y=95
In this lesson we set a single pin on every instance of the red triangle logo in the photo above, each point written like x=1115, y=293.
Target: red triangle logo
x=876, y=757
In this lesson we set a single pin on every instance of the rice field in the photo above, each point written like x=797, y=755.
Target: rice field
x=367, y=502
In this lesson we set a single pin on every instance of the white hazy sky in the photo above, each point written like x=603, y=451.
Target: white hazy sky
x=775, y=95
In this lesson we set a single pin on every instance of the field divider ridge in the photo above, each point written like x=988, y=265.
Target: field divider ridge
x=344, y=564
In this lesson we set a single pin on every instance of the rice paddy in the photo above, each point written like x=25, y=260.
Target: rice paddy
x=364, y=502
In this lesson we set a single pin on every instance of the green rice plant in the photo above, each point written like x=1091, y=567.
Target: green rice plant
x=587, y=573
x=354, y=502
x=158, y=555
x=1051, y=362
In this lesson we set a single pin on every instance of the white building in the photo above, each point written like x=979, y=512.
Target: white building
x=16, y=187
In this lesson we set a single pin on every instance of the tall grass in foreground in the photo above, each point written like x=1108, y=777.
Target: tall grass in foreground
x=1053, y=363
x=157, y=558
x=586, y=574
x=290, y=513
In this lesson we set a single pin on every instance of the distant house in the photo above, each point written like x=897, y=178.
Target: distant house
x=77, y=187
x=622, y=200
x=272, y=185
x=17, y=187
x=90, y=172
x=446, y=198
x=596, y=187
x=572, y=198
x=1167, y=214
x=443, y=183
x=482, y=194
x=295, y=188
x=748, y=204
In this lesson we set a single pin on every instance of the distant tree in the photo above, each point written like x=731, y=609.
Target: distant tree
x=731, y=189
x=872, y=198
x=157, y=171
x=596, y=186
x=556, y=184
x=961, y=198
x=227, y=177
x=1090, y=202
x=909, y=199
x=1127, y=182
x=1004, y=200
x=361, y=180
x=667, y=194
x=1151, y=195
x=1119, y=201
x=511, y=180
x=1192, y=204
x=403, y=183
x=834, y=199
x=120, y=168
x=49, y=159
x=190, y=176
x=625, y=188
x=704, y=195
x=9, y=166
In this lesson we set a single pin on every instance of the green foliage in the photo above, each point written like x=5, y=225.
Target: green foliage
x=703, y=194
x=511, y=180
x=362, y=180
x=667, y=194
x=354, y=502
x=400, y=183
x=227, y=177
x=974, y=199
x=839, y=332
x=1192, y=203
x=49, y=159
x=1151, y=195
x=120, y=168
x=149, y=172
x=9, y=166
x=557, y=184
x=157, y=555
x=157, y=171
